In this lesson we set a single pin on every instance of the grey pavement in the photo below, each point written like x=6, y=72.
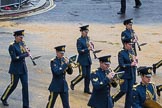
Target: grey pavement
x=100, y=11
x=70, y=11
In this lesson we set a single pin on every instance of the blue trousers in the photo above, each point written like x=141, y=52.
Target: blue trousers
x=11, y=87
x=84, y=72
x=64, y=98
x=126, y=87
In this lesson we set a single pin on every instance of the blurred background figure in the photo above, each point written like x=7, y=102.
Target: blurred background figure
x=123, y=6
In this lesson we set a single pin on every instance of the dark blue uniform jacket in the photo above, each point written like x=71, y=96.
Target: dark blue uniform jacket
x=139, y=94
x=84, y=58
x=18, y=54
x=100, y=97
x=125, y=61
x=59, y=69
x=126, y=34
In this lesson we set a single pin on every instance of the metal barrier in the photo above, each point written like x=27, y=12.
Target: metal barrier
x=4, y=3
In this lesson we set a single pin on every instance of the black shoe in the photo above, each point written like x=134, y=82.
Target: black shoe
x=120, y=13
x=137, y=6
x=72, y=86
x=88, y=92
x=158, y=92
x=4, y=102
x=154, y=68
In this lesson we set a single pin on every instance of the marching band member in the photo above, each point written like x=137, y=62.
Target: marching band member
x=101, y=80
x=130, y=34
x=18, y=69
x=84, y=60
x=58, y=86
x=145, y=90
x=127, y=64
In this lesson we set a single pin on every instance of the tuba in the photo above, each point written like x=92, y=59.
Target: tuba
x=149, y=103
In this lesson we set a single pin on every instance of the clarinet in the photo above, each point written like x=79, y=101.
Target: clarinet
x=28, y=51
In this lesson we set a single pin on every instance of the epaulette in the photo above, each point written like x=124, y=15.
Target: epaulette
x=11, y=43
x=135, y=86
x=122, y=37
x=78, y=39
x=23, y=42
x=52, y=59
x=153, y=84
x=120, y=51
x=94, y=71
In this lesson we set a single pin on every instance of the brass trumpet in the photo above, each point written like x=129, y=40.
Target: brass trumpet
x=116, y=77
x=72, y=60
x=113, y=82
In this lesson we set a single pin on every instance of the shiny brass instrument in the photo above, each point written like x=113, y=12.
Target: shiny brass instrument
x=69, y=69
x=72, y=60
x=149, y=102
x=116, y=77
